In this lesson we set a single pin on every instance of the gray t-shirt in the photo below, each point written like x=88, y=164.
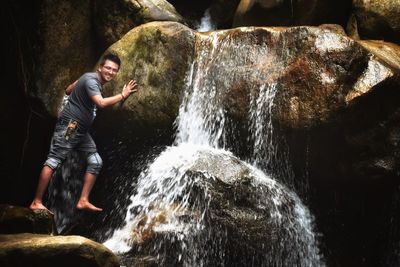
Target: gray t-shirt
x=80, y=107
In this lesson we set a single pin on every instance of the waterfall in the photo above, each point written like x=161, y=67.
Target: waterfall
x=174, y=215
x=206, y=23
x=261, y=126
x=266, y=153
x=201, y=118
x=174, y=204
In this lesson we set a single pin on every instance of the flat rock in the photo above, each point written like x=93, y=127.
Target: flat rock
x=44, y=250
x=14, y=219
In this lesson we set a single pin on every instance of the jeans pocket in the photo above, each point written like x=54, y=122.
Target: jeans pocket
x=70, y=130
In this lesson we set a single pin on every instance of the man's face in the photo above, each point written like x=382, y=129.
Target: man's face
x=108, y=71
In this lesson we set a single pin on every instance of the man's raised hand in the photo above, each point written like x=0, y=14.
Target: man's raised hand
x=129, y=88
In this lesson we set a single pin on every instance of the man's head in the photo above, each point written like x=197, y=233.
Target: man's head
x=108, y=68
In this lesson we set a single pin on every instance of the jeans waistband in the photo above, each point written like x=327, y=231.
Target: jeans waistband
x=65, y=121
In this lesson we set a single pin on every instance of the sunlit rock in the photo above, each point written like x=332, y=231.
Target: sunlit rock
x=42, y=250
x=158, y=56
x=383, y=65
x=389, y=53
x=317, y=71
x=73, y=32
x=315, y=75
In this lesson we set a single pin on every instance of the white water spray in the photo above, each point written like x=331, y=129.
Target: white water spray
x=206, y=23
x=174, y=193
x=261, y=125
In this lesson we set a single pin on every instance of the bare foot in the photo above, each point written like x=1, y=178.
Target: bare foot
x=86, y=205
x=39, y=206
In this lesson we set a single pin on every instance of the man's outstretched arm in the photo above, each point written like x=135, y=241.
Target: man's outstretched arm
x=127, y=90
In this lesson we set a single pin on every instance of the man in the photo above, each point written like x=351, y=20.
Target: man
x=72, y=128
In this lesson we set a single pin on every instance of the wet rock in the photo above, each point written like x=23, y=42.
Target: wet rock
x=318, y=71
x=350, y=71
x=207, y=207
x=317, y=74
x=14, y=219
x=42, y=250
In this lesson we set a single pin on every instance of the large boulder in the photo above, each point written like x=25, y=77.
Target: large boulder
x=321, y=72
x=158, y=56
x=68, y=26
x=35, y=250
x=316, y=74
x=214, y=209
x=335, y=71
x=65, y=26
x=113, y=19
x=290, y=13
x=377, y=19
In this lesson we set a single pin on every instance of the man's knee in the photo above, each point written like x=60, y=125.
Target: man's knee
x=94, y=163
x=53, y=163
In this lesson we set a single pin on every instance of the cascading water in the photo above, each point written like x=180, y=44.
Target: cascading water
x=206, y=23
x=266, y=154
x=201, y=117
x=199, y=205
x=64, y=191
x=261, y=125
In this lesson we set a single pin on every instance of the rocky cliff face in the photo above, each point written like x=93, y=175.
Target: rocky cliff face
x=335, y=109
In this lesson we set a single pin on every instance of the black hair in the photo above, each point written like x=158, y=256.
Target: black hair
x=112, y=57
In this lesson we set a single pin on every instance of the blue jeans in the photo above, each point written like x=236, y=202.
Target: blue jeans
x=77, y=139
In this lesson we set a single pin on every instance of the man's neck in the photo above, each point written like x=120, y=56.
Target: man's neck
x=99, y=78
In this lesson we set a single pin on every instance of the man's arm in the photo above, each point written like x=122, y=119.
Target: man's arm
x=127, y=90
x=70, y=88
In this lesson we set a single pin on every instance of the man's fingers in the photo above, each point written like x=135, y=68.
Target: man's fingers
x=131, y=86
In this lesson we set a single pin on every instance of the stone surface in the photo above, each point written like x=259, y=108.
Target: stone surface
x=67, y=26
x=224, y=212
x=290, y=13
x=42, y=250
x=318, y=74
x=158, y=55
x=377, y=19
x=321, y=72
x=14, y=219
x=113, y=19
x=66, y=52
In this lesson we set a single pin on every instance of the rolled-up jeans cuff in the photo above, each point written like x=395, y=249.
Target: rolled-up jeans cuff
x=52, y=163
x=94, y=172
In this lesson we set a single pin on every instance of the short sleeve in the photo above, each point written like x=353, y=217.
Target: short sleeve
x=93, y=87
